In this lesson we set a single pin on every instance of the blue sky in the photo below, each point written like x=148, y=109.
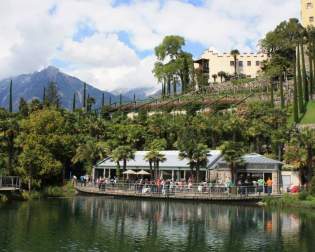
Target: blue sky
x=110, y=43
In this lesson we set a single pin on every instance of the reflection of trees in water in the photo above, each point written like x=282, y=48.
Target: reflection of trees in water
x=123, y=225
x=306, y=232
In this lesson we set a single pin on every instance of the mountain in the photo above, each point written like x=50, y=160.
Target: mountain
x=139, y=93
x=31, y=86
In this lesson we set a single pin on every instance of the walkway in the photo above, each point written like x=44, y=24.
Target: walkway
x=200, y=196
x=11, y=183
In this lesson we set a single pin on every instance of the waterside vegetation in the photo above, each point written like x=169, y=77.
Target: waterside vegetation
x=46, y=144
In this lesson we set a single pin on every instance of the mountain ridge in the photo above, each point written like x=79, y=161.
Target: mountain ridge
x=31, y=86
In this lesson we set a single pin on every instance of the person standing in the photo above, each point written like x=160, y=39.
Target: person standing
x=269, y=186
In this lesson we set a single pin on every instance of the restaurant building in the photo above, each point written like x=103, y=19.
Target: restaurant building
x=172, y=168
x=253, y=167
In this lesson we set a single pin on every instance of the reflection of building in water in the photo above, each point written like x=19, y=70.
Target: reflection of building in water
x=175, y=221
x=290, y=224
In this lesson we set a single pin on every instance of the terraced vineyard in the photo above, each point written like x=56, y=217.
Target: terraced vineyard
x=213, y=98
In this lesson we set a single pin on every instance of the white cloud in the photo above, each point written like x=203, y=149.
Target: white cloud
x=31, y=37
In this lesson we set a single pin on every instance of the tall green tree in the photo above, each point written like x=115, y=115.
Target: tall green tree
x=10, y=98
x=304, y=75
x=155, y=157
x=300, y=81
x=122, y=153
x=44, y=96
x=89, y=153
x=235, y=53
x=74, y=102
x=174, y=66
x=84, y=95
x=295, y=97
x=232, y=153
x=23, y=108
x=35, y=163
x=52, y=96
x=222, y=75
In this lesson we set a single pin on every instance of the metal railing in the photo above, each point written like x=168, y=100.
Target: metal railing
x=183, y=189
x=10, y=182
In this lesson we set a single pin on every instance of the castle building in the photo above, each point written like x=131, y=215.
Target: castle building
x=308, y=12
x=248, y=64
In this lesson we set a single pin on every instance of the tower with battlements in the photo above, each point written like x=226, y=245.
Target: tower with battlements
x=308, y=12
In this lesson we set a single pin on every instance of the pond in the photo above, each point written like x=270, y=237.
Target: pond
x=104, y=224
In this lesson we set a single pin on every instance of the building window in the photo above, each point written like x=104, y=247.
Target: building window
x=257, y=63
x=311, y=19
x=240, y=63
x=309, y=5
x=231, y=63
x=249, y=63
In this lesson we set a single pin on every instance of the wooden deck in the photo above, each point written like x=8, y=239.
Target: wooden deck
x=10, y=184
x=92, y=191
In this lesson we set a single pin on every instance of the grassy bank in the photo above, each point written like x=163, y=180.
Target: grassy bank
x=50, y=191
x=302, y=200
x=309, y=117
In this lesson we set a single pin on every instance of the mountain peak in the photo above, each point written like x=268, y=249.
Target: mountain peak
x=51, y=70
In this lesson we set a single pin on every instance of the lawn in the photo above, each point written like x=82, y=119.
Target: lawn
x=309, y=117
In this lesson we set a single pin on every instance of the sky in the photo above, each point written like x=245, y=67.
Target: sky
x=110, y=43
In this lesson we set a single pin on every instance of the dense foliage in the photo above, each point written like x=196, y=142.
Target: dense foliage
x=48, y=144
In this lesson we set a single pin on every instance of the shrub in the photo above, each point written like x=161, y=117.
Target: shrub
x=303, y=195
x=54, y=191
x=30, y=195
x=3, y=198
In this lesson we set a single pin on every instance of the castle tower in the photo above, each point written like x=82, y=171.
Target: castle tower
x=308, y=12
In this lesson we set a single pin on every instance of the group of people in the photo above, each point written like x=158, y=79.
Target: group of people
x=167, y=186
x=259, y=185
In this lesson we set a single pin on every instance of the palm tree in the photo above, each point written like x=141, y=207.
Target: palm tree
x=222, y=75
x=232, y=153
x=214, y=76
x=154, y=156
x=235, y=53
x=89, y=153
x=122, y=153
x=150, y=157
x=197, y=156
x=200, y=158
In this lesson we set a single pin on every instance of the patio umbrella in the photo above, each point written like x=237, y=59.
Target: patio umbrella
x=142, y=172
x=129, y=172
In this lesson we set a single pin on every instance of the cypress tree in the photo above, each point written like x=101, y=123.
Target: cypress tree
x=44, y=96
x=305, y=81
x=310, y=60
x=73, y=103
x=281, y=91
x=168, y=86
x=84, y=95
x=272, y=100
x=174, y=88
x=295, y=98
x=10, y=99
x=299, y=82
x=313, y=60
x=103, y=99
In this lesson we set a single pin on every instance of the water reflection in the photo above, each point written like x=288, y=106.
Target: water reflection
x=102, y=224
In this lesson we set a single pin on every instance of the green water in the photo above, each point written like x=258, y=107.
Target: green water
x=102, y=224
